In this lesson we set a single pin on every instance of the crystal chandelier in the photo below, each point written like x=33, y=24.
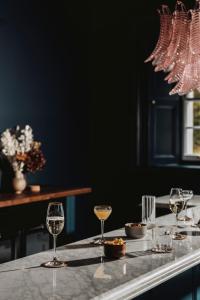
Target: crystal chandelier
x=177, y=51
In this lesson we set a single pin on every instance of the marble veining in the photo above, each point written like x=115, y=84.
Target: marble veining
x=90, y=276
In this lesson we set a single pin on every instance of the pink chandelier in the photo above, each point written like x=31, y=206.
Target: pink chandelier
x=177, y=51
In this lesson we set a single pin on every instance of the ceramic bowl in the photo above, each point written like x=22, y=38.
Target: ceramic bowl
x=135, y=230
x=114, y=251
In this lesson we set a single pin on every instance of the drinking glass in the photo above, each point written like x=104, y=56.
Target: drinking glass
x=161, y=239
x=149, y=210
x=176, y=205
x=55, y=224
x=187, y=195
x=102, y=212
x=194, y=215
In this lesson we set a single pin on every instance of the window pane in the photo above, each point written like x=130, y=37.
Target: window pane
x=192, y=142
x=193, y=94
x=196, y=94
x=196, y=141
x=196, y=111
x=191, y=113
x=191, y=131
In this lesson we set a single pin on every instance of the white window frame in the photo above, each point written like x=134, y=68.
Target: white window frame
x=187, y=144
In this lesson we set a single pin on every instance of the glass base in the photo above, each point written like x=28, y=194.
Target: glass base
x=98, y=241
x=188, y=218
x=178, y=236
x=162, y=249
x=54, y=264
x=184, y=218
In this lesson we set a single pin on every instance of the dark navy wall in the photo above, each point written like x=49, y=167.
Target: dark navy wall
x=73, y=70
x=44, y=83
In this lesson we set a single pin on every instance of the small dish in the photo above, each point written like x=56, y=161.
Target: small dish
x=115, y=248
x=135, y=230
x=34, y=188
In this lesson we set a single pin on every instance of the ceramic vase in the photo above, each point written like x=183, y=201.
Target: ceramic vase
x=19, y=182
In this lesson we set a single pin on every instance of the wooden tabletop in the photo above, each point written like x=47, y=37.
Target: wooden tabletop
x=46, y=193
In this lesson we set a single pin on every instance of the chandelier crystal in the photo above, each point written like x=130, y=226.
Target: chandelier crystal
x=178, y=47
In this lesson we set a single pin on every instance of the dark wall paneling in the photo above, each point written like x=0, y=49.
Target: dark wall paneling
x=164, y=131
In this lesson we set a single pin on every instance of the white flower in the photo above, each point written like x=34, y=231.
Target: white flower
x=18, y=141
x=8, y=143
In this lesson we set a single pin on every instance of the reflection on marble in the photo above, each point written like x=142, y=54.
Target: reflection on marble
x=54, y=295
x=100, y=271
x=89, y=276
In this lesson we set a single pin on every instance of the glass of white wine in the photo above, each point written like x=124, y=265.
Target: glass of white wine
x=102, y=212
x=55, y=224
x=176, y=205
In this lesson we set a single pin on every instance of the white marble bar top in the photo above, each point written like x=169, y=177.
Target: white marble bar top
x=163, y=201
x=90, y=277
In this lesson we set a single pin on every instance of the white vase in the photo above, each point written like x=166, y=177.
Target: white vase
x=19, y=182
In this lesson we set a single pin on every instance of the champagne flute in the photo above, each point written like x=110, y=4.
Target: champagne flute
x=176, y=204
x=55, y=224
x=102, y=212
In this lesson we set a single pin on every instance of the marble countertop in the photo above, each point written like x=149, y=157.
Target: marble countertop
x=163, y=201
x=90, y=276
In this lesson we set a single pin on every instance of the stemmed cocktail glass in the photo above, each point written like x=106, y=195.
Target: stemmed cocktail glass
x=176, y=204
x=55, y=224
x=102, y=212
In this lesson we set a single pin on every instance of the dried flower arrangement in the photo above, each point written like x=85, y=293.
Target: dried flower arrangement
x=23, y=153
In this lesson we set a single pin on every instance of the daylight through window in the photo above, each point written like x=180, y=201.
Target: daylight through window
x=191, y=126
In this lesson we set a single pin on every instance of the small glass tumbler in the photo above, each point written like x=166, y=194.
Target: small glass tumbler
x=149, y=210
x=194, y=214
x=161, y=239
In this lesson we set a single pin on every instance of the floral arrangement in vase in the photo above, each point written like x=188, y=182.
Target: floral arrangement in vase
x=23, y=153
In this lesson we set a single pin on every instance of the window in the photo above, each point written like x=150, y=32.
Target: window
x=191, y=126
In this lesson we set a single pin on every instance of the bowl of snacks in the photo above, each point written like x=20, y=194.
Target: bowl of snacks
x=114, y=248
x=135, y=230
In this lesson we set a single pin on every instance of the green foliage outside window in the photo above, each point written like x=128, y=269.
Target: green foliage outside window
x=196, y=132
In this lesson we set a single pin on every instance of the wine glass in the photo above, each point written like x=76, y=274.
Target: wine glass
x=176, y=204
x=187, y=195
x=55, y=224
x=102, y=212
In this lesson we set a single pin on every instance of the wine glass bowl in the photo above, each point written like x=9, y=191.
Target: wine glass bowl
x=55, y=223
x=102, y=212
x=187, y=195
x=176, y=206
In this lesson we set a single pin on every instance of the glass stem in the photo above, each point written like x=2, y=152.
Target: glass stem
x=102, y=230
x=186, y=208
x=54, y=247
x=176, y=223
